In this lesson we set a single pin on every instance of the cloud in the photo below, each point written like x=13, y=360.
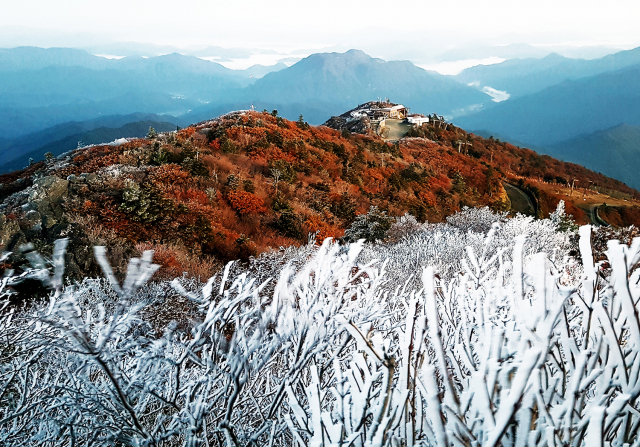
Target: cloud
x=496, y=95
x=452, y=68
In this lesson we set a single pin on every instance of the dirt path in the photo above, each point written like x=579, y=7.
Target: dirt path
x=584, y=199
x=520, y=201
x=592, y=211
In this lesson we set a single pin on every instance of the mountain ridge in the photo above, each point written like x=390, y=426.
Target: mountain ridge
x=566, y=110
x=13, y=148
x=614, y=152
x=520, y=77
x=97, y=135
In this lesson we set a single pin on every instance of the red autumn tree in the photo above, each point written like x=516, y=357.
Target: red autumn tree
x=245, y=203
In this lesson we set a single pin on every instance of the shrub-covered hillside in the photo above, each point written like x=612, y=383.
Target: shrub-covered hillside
x=237, y=185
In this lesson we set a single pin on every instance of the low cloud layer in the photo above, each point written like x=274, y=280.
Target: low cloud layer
x=496, y=95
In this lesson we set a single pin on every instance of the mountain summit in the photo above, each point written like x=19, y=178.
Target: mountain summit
x=342, y=79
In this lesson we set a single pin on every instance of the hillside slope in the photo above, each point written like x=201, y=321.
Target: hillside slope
x=136, y=129
x=246, y=182
x=614, y=152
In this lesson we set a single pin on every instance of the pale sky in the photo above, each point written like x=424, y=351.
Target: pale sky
x=284, y=25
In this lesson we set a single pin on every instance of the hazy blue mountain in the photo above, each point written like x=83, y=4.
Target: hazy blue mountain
x=33, y=58
x=228, y=53
x=564, y=111
x=525, y=51
x=511, y=51
x=16, y=122
x=344, y=79
x=614, y=152
x=130, y=49
x=11, y=149
x=258, y=71
x=95, y=136
x=175, y=74
x=520, y=77
x=169, y=64
x=41, y=88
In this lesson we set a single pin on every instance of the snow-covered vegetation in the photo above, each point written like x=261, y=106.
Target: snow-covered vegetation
x=481, y=331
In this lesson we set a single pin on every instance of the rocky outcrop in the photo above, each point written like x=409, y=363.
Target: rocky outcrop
x=34, y=217
x=47, y=195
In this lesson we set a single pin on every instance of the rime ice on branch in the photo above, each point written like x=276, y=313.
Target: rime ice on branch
x=323, y=346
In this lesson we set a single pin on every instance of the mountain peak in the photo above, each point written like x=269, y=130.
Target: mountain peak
x=554, y=57
x=356, y=53
x=351, y=56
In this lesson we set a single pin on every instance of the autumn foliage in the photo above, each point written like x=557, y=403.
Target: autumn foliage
x=245, y=202
x=248, y=182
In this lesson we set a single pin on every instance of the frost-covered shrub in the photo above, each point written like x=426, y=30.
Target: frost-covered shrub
x=481, y=231
x=514, y=348
x=478, y=220
x=370, y=227
x=404, y=226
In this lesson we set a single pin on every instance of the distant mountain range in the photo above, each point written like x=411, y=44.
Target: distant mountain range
x=521, y=77
x=322, y=84
x=566, y=110
x=614, y=152
x=584, y=111
x=354, y=76
x=45, y=87
x=41, y=88
x=545, y=102
x=15, y=154
x=525, y=51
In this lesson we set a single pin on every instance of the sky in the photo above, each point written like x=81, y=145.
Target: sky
x=420, y=31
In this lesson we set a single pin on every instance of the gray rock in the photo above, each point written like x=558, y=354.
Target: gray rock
x=30, y=219
x=48, y=193
x=29, y=206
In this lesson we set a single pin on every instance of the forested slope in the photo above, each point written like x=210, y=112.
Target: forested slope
x=240, y=184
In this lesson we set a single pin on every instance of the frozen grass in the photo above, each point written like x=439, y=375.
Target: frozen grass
x=505, y=346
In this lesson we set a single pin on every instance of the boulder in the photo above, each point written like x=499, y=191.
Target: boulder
x=31, y=223
x=48, y=193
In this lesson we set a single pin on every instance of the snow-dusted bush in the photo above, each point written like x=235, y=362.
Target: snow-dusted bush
x=370, y=227
x=339, y=352
x=480, y=231
x=404, y=226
